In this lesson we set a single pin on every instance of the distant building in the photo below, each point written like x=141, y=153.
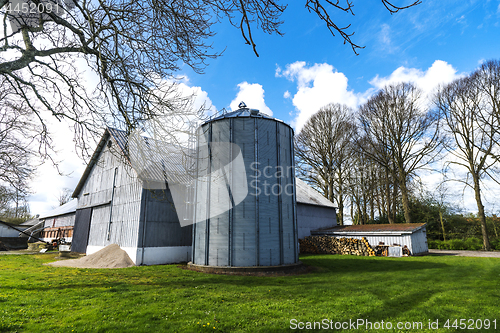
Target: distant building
x=31, y=227
x=314, y=211
x=59, y=222
x=9, y=229
x=413, y=235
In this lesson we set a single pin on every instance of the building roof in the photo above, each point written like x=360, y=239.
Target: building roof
x=243, y=112
x=151, y=159
x=67, y=208
x=93, y=161
x=307, y=195
x=400, y=228
x=30, y=223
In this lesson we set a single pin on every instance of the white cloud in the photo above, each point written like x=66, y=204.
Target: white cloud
x=48, y=183
x=320, y=84
x=200, y=97
x=385, y=40
x=384, y=34
x=253, y=96
x=317, y=86
x=439, y=73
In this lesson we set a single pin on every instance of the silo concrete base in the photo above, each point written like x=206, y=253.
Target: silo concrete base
x=296, y=268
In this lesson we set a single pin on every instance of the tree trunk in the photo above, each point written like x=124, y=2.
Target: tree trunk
x=341, y=210
x=341, y=197
x=363, y=197
x=442, y=223
x=405, y=199
x=388, y=197
x=352, y=209
x=482, y=216
x=394, y=201
x=372, y=194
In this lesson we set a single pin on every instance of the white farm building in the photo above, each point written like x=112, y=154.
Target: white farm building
x=413, y=235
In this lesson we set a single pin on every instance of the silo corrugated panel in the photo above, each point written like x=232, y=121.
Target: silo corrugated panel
x=200, y=230
x=287, y=200
x=261, y=229
x=219, y=225
x=269, y=254
x=243, y=230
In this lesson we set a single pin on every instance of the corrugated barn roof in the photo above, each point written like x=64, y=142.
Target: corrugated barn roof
x=372, y=228
x=67, y=208
x=307, y=195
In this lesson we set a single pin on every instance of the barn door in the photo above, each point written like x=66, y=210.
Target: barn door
x=81, y=230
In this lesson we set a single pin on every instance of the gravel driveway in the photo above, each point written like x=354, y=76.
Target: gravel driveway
x=460, y=253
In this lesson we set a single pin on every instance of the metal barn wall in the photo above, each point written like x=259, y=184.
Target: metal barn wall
x=312, y=217
x=60, y=221
x=159, y=223
x=260, y=230
x=9, y=232
x=419, y=241
x=115, y=211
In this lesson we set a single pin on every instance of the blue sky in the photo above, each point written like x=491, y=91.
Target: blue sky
x=461, y=33
x=429, y=44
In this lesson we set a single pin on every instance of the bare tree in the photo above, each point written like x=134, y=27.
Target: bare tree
x=64, y=196
x=472, y=129
x=17, y=130
x=487, y=80
x=401, y=135
x=135, y=48
x=324, y=148
x=323, y=10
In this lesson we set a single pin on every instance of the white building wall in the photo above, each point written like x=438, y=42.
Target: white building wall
x=152, y=255
x=312, y=217
x=416, y=242
x=419, y=241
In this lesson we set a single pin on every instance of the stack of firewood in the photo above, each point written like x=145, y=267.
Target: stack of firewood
x=333, y=245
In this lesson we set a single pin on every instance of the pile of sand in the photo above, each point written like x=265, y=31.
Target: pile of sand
x=109, y=257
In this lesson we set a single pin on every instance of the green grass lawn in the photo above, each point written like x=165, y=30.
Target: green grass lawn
x=38, y=298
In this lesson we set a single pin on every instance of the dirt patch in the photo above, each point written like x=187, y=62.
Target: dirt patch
x=109, y=257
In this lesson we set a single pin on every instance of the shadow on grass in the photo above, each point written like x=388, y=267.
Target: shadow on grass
x=368, y=264
x=322, y=268
x=394, y=305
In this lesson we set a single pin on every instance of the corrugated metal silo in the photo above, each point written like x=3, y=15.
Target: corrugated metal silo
x=236, y=228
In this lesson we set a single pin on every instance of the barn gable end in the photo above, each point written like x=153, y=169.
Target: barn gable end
x=121, y=212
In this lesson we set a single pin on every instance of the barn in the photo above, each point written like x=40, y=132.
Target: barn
x=115, y=207
x=413, y=235
x=314, y=211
